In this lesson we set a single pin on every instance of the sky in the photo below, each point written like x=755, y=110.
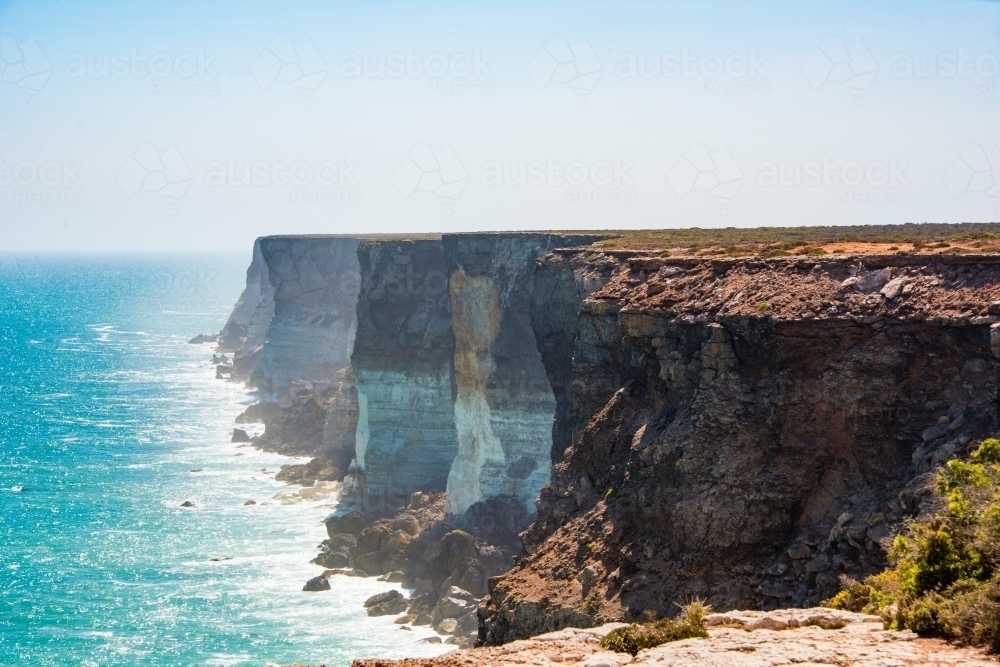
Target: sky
x=194, y=126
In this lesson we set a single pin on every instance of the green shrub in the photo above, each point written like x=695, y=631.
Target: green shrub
x=814, y=251
x=636, y=637
x=945, y=578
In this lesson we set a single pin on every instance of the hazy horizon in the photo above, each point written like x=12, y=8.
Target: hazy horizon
x=177, y=127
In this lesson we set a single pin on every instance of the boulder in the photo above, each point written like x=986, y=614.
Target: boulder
x=446, y=626
x=449, y=608
x=332, y=558
x=893, y=288
x=239, y=435
x=318, y=583
x=461, y=594
x=258, y=413
x=874, y=281
x=346, y=524
x=385, y=604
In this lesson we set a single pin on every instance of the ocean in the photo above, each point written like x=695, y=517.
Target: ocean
x=109, y=420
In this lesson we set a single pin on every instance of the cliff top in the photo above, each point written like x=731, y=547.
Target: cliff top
x=910, y=238
x=736, y=639
x=928, y=238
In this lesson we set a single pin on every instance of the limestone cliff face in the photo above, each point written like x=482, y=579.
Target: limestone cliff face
x=402, y=359
x=311, y=335
x=420, y=355
x=505, y=404
x=252, y=314
x=749, y=431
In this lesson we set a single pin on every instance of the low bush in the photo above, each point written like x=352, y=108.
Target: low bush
x=636, y=637
x=945, y=578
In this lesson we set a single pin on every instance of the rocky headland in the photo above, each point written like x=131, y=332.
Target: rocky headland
x=539, y=431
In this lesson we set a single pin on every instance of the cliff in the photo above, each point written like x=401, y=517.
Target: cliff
x=408, y=364
x=315, y=282
x=749, y=430
x=661, y=425
x=403, y=360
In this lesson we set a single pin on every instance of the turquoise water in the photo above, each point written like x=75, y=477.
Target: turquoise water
x=105, y=411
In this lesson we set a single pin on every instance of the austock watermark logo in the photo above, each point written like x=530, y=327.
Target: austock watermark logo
x=150, y=170
x=872, y=182
x=43, y=183
x=440, y=173
x=981, y=68
x=729, y=75
x=456, y=74
x=181, y=75
x=600, y=182
x=975, y=171
x=835, y=62
x=700, y=170
x=285, y=62
x=560, y=63
x=324, y=182
x=22, y=63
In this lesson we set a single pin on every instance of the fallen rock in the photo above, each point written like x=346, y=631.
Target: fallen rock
x=250, y=502
x=874, y=281
x=203, y=338
x=318, y=583
x=446, y=626
x=259, y=412
x=239, y=435
x=385, y=604
x=187, y=503
x=893, y=288
x=449, y=608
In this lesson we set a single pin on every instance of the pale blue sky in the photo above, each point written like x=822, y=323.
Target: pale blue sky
x=267, y=118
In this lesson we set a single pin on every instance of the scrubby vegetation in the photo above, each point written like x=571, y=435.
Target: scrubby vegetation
x=945, y=579
x=783, y=241
x=633, y=638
